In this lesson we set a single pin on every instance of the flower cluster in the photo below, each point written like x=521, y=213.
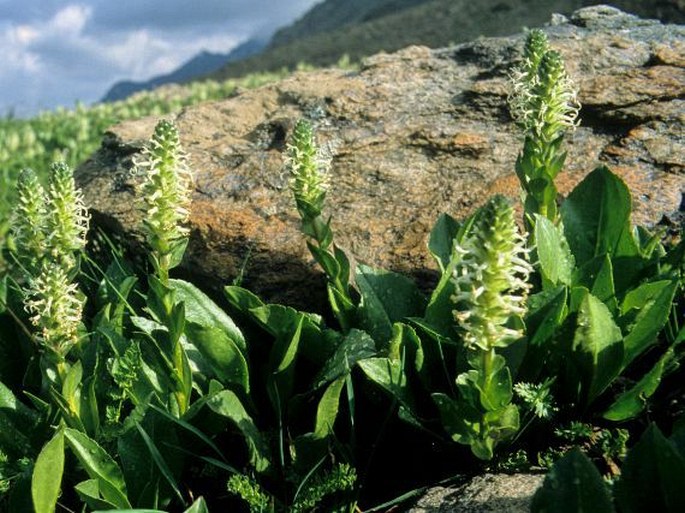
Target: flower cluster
x=491, y=278
x=55, y=305
x=49, y=229
x=308, y=172
x=544, y=99
x=166, y=190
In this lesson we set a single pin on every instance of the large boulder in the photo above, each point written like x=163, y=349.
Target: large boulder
x=411, y=135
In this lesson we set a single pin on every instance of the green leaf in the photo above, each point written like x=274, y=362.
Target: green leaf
x=597, y=275
x=596, y=217
x=460, y=419
x=644, y=313
x=327, y=410
x=99, y=465
x=355, y=346
x=386, y=298
x=390, y=376
x=573, y=485
x=227, y=404
x=554, y=255
x=221, y=353
x=17, y=421
x=159, y=461
x=242, y=299
x=496, y=388
x=652, y=476
x=89, y=492
x=597, y=346
x=46, y=480
x=441, y=240
x=199, y=506
x=547, y=311
x=201, y=310
x=633, y=401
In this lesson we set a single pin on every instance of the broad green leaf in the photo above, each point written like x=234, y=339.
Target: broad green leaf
x=441, y=240
x=390, y=376
x=644, y=312
x=356, y=346
x=99, y=465
x=597, y=346
x=46, y=480
x=546, y=312
x=201, y=310
x=496, y=388
x=17, y=422
x=652, y=476
x=242, y=299
x=573, y=485
x=282, y=320
x=327, y=410
x=597, y=275
x=438, y=313
x=554, y=255
x=71, y=390
x=282, y=361
x=89, y=492
x=631, y=402
x=460, y=419
x=596, y=217
x=386, y=298
x=221, y=353
x=227, y=404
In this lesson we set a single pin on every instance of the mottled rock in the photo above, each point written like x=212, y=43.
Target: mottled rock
x=411, y=135
x=489, y=493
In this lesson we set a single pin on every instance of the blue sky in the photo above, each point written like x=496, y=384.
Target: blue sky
x=56, y=52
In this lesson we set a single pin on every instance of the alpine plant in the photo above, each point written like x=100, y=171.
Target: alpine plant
x=544, y=102
x=49, y=230
x=490, y=279
x=166, y=193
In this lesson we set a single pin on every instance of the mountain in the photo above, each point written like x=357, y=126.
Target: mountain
x=333, y=14
x=361, y=28
x=202, y=64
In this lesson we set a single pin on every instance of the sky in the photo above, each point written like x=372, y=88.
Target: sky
x=57, y=52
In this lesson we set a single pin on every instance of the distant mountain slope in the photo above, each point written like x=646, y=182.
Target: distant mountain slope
x=333, y=14
x=388, y=25
x=202, y=64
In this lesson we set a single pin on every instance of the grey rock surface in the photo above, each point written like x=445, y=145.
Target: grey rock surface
x=411, y=135
x=489, y=493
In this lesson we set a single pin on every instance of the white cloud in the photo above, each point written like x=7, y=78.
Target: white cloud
x=55, y=53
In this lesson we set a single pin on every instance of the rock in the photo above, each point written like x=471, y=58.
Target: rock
x=411, y=135
x=489, y=493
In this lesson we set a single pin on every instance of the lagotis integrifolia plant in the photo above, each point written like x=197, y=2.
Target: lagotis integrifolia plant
x=544, y=102
x=308, y=171
x=49, y=230
x=166, y=193
x=490, y=278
